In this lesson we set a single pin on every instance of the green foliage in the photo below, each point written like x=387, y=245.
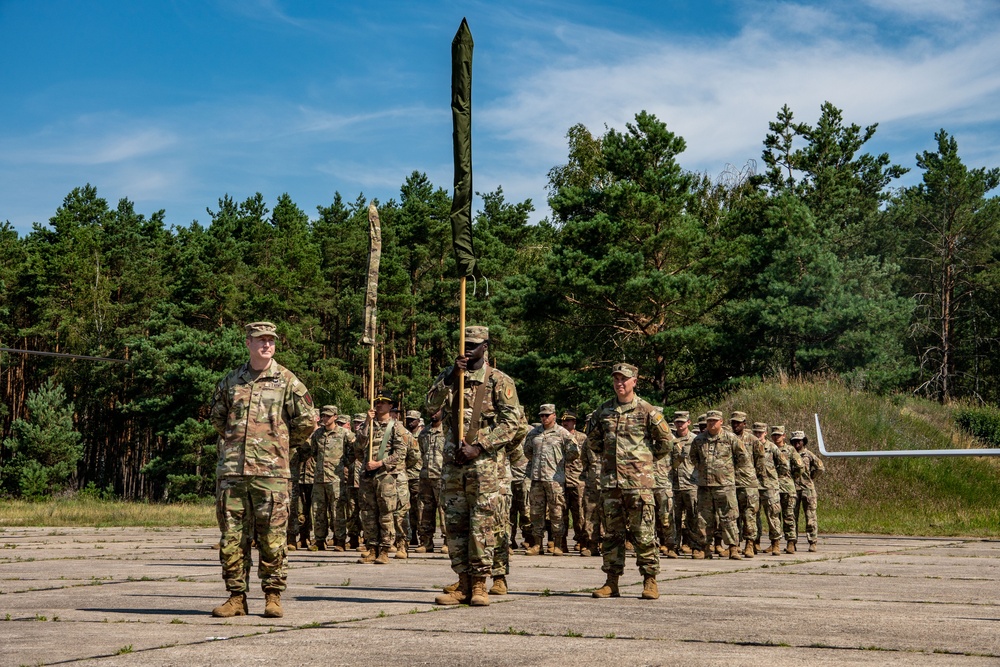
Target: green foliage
x=982, y=423
x=45, y=446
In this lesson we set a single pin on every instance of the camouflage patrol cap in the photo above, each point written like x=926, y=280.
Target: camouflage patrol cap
x=682, y=416
x=477, y=334
x=798, y=435
x=759, y=427
x=360, y=417
x=777, y=430
x=628, y=370
x=255, y=329
x=328, y=411
x=547, y=409
x=412, y=414
x=702, y=419
x=738, y=416
x=713, y=414
x=568, y=414
x=342, y=419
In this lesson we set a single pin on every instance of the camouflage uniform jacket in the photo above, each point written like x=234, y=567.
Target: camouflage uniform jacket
x=812, y=468
x=627, y=437
x=499, y=420
x=771, y=466
x=431, y=443
x=717, y=457
x=259, y=420
x=414, y=461
x=746, y=472
x=326, y=452
x=574, y=468
x=683, y=475
x=591, y=467
x=395, y=447
x=793, y=464
x=549, y=450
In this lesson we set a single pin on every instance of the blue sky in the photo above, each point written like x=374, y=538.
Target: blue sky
x=173, y=104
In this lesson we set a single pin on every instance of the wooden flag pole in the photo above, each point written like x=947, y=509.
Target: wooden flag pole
x=371, y=399
x=460, y=419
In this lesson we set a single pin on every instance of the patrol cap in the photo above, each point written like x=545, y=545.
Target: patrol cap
x=385, y=395
x=777, y=430
x=759, y=427
x=568, y=414
x=712, y=414
x=342, y=419
x=738, y=417
x=798, y=435
x=702, y=419
x=682, y=416
x=360, y=417
x=477, y=334
x=628, y=370
x=547, y=409
x=255, y=329
x=328, y=411
x=413, y=414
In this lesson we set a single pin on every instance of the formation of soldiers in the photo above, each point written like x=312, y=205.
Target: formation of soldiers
x=628, y=481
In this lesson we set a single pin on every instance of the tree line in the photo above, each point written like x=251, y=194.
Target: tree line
x=811, y=261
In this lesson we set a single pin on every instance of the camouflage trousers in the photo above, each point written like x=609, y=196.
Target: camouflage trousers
x=413, y=520
x=299, y=511
x=770, y=508
x=468, y=494
x=593, y=515
x=401, y=515
x=325, y=497
x=248, y=508
x=629, y=515
x=430, y=509
x=501, y=531
x=347, y=507
x=547, y=498
x=717, y=504
x=520, y=514
x=686, y=517
x=574, y=512
x=379, y=498
x=748, y=502
x=788, y=503
x=807, y=503
x=664, y=500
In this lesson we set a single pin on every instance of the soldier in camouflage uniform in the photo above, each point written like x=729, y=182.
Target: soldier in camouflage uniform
x=805, y=487
x=326, y=449
x=342, y=511
x=769, y=488
x=592, y=511
x=747, y=495
x=260, y=411
x=470, y=476
x=295, y=519
x=548, y=448
x=627, y=433
x=379, y=490
x=792, y=463
x=415, y=425
x=520, y=486
x=663, y=498
x=401, y=517
x=575, y=484
x=685, y=486
x=352, y=471
x=717, y=454
x=431, y=443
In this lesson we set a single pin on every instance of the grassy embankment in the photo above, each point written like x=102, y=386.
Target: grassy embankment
x=918, y=496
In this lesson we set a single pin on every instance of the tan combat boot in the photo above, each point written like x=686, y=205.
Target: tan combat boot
x=499, y=585
x=649, y=589
x=424, y=548
x=556, y=551
x=272, y=605
x=383, y=556
x=609, y=589
x=532, y=551
x=291, y=546
x=671, y=553
x=698, y=554
x=401, y=551
x=369, y=557
x=663, y=550
x=775, y=547
x=812, y=546
x=480, y=596
x=790, y=547
x=457, y=596
x=444, y=548
x=734, y=553
x=585, y=551
x=685, y=550
x=236, y=605
x=748, y=551
x=451, y=588
x=339, y=546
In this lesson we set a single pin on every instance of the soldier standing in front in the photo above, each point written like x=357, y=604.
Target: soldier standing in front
x=628, y=433
x=470, y=476
x=716, y=455
x=261, y=411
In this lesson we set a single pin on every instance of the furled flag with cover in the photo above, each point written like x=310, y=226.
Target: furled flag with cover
x=461, y=117
x=371, y=284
